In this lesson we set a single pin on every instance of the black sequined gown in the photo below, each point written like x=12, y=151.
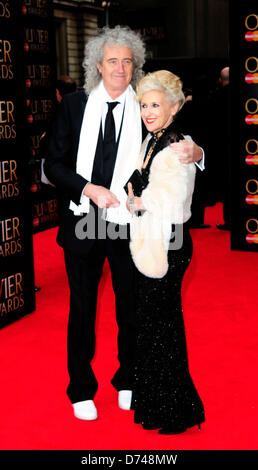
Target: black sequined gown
x=164, y=395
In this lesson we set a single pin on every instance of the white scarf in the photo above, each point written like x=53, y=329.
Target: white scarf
x=127, y=153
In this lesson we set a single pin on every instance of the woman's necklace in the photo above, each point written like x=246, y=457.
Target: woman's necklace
x=156, y=136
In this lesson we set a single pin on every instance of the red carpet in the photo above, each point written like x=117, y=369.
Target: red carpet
x=220, y=311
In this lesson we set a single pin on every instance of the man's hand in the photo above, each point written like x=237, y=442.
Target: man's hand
x=101, y=196
x=188, y=151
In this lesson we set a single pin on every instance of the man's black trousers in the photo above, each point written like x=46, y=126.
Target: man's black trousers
x=84, y=274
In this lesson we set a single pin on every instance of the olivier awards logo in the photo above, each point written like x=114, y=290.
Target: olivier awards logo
x=9, y=186
x=252, y=198
x=38, y=76
x=36, y=179
x=251, y=118
x=251, y=107
x=44, y=212
x=251, y=66
x=251, y=147
x=36, y=40
x=39, y=110
x=252, y=229
x=35, y=142
x=35, y=8
x=7, y=120
x=5, y=10
x=6, y=60
x=10, y=237
x=11, y=293
x=252, y=191
x=251, y=24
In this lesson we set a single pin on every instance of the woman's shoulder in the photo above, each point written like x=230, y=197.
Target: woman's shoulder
x=168, y=159
x=171, y=136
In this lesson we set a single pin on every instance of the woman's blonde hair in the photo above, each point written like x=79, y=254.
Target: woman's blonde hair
x=164, y=81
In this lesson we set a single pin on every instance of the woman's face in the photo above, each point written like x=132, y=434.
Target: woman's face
x=156, y=111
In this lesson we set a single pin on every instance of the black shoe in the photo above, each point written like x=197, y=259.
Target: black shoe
x=223, y=227
x=178, y=430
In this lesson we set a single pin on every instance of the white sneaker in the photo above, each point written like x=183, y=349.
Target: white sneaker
x=85, y=410
x=125, y=399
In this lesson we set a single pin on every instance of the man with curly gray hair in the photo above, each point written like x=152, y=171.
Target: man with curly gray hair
x=89, y=167
x=94, y=53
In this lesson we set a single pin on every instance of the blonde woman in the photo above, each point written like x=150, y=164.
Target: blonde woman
x=159, y=197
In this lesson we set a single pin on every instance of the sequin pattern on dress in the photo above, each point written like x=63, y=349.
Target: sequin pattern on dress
x=164, y=393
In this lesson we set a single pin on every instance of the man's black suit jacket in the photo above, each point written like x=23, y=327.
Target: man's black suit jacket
x=60, y=168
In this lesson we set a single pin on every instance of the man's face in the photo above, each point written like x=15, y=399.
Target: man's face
x=116, y=69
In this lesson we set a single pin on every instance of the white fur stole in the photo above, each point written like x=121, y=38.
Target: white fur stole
x=167, y=200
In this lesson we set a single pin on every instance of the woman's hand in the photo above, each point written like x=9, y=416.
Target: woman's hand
x=133, y=203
